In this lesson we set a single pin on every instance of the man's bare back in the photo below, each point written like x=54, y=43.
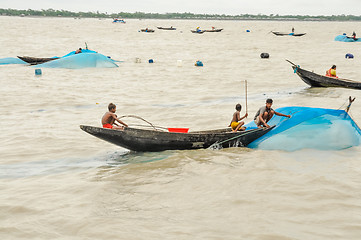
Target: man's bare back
x=110, y=118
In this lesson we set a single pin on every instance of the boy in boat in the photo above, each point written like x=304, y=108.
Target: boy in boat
x=78, y=51
x=264, y=114
x=109, y=118
x=331, y=72
x=235, y=124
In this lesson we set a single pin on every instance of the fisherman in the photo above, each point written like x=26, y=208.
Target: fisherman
x=354, y=35
x=264, y=114
x=109, y=118
x=293, y=29
x=235, y=122
x=331, y=72
x=78, y=51
x=198, y=29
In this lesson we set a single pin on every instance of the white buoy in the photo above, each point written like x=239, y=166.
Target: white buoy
x=179, y=63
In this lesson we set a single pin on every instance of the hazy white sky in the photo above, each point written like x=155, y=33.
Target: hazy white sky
x=233, y=7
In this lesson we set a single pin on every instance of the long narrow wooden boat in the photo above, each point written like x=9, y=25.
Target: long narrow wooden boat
x=147, y=30
x=153, y=140
x=34, y=60
x=316, y=80
x=214, y=30
x=166, y=28
x=199, y=32
x=288, y=34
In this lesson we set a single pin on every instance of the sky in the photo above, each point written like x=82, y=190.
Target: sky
x=229, y=7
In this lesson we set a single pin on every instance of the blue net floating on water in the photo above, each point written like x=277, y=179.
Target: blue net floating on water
x=315, y=128
x=81, y=60
x=11, y=60
x=344, y=38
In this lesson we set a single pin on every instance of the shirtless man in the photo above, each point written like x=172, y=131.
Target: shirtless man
x=109, y=118
x=235, y=123
x=78, y=51
x=264, y=114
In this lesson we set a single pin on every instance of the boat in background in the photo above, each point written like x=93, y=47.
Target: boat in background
x=288, y=34
x=145, y=140
x=117, y=20
x=214, y=30
x=35, y=60
x=147, y=30
x=167, y=28
x=316, y=80
x=199, y=32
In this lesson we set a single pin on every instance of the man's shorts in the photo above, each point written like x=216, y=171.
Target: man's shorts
x=107, y=126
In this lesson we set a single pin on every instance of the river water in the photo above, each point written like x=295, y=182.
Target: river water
x=57, y=182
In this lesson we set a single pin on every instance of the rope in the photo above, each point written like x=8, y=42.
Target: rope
x=134, y=116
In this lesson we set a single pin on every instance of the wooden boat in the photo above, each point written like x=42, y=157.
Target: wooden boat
x=288, y=34
x=199, y=32
x=316, y=80
x=35, y=61
x=155, y=140
x=165, y=28
x=214, y=30
x=147, y=30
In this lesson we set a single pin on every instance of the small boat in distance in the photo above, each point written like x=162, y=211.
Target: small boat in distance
x=144, y=140
x=147, y=30
x=288, y=34
x=199, y=32
x=117, y=20
x=167, y=28
x=214, y=30
x=35, y=60
x=316, y=80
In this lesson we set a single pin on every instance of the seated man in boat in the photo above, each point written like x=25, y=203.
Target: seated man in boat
x=235, y=123
x=354, y=35
x=109, y=118
x=264, y=114
x=331, y=72
x=198, y=29
x=78, y=51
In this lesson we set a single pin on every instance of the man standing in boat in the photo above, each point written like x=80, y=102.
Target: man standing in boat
x=109, y=119
x=264, y=114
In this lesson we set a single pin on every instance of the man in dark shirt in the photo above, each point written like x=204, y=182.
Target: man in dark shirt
x=264, y=114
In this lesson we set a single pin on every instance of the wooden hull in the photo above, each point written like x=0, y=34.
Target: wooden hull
x=152, y=141
x=35, y=61
x=146, y=30
x=316, y=80
x=287, y=34
x=214, y=30
x=163, y=28
x=200, y=32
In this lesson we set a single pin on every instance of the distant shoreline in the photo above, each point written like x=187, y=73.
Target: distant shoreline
x=176, y=16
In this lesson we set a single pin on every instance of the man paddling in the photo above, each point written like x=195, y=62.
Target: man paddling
x=264, y=114
x=109, y=118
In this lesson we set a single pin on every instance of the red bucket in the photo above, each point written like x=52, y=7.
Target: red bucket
x=178, y=130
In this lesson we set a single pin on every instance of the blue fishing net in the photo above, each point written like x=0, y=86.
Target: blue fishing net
x=11, y=60
x=317, y=128
x=344, y=38
x=81, y=60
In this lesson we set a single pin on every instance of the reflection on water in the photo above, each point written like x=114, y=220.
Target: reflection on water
x=56, y=166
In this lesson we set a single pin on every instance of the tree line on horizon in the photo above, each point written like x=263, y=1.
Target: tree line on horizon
x=187, y=15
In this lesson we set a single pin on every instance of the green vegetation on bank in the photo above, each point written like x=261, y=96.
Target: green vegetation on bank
x=64, y=13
